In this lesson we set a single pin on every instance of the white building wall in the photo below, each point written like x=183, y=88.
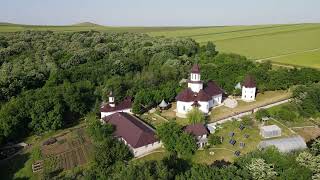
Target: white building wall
x=217, y=100
x=104, y=114
x=248, y=94
x=204, y=106
x=195, y=87
x=145, y=149
x=183, y=107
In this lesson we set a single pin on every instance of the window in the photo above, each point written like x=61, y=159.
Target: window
x=184, y=108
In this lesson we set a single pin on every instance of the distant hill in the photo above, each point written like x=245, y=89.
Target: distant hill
x=87, y=24
x=7, y=24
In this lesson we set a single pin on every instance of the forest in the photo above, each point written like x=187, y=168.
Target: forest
x=50, y=80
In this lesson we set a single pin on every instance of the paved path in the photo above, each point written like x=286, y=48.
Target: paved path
x=301, y=127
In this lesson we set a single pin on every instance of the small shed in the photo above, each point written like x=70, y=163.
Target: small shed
x=284, y=145
x=163, y=104
x=270, y=131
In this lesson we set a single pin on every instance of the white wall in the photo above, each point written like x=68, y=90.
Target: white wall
x=145, y=149
x=204, y=106
x=183, y=107
x=104, y=114
x=248, y=94
x=217, y=100
x=195, y=87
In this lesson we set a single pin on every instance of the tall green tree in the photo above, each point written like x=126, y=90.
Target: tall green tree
x=195, y=116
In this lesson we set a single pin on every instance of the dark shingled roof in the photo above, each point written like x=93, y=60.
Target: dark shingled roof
x=203, y=96
x=186, y=95
x=131, y=129
x=213, y=89
x=195, y=69
x=249, y=82
x=125, y=104
x=197, y=129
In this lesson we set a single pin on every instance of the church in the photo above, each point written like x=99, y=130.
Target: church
x=198, y=95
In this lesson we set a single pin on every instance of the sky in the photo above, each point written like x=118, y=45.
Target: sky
x=159, y=12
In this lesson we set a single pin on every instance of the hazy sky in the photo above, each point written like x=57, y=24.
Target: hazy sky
x=159, y=12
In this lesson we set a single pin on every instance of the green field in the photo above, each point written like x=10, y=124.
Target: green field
x=309, y=59
x=256, y=42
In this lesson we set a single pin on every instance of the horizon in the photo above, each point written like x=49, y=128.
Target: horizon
x=143, y=13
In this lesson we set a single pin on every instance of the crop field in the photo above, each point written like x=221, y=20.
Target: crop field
x=309, y=59
x=289, y=41
x=7, y=27
x=255, y=41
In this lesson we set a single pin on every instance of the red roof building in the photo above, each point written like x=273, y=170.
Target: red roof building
x=125, y=104
x=132, y=130
x=196, y=129
x=197, y=95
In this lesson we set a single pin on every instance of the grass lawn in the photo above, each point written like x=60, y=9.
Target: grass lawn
x=156, y=156
x=261, y=99
x=152, y=119
x=308, y=59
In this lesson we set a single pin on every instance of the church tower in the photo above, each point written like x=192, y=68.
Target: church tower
x=195, y=82
x=111, y=100
x=249, y=89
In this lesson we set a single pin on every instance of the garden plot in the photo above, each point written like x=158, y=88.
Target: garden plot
x=71, y=150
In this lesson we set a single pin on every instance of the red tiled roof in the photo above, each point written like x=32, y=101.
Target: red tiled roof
x=197, y=129
x=249, y=82
x=131, y=129
x=186, y=95
x=125, y=104
x=195, y=69
x=203, y=96
x=213, y=89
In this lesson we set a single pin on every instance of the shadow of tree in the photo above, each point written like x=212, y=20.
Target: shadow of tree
x=11, y=166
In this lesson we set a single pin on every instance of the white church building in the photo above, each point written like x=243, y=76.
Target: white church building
x=249, y=89
x=196, y=95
